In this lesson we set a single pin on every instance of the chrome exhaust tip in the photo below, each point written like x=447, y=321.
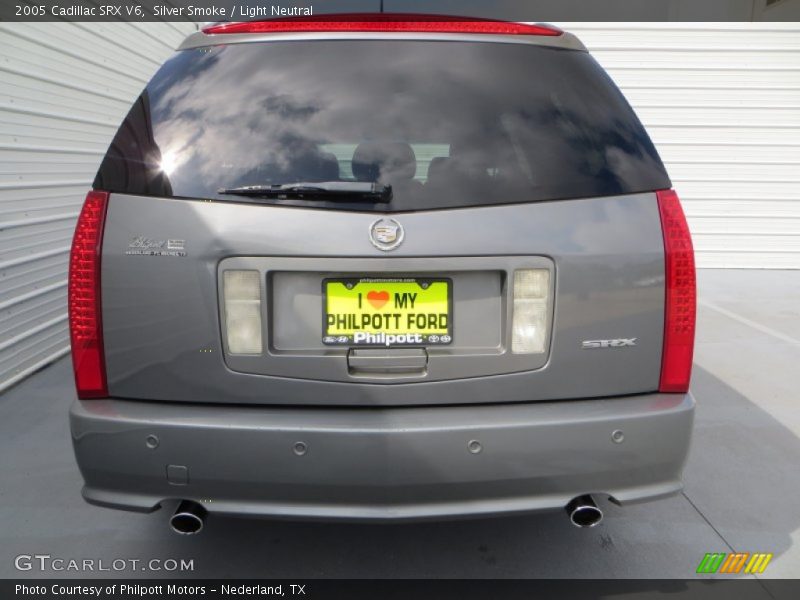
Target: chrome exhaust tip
x=189, y=518
x=583, y=512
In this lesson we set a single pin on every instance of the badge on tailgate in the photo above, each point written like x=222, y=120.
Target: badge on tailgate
x=387, y=312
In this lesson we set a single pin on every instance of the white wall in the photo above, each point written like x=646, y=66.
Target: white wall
x=64, y=88
x=722, y=104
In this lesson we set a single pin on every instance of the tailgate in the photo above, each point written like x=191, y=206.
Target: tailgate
x=166, y=331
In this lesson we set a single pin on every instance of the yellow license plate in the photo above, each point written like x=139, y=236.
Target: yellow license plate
x=387, y=312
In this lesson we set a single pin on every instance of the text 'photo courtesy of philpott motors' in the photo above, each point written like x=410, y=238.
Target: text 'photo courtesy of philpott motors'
x=387, y=312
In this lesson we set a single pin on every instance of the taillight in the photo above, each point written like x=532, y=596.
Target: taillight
x=384, y=22
x=85, y=323
x=681, y=295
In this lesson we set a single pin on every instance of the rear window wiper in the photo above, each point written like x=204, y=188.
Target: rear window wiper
x=342, y=191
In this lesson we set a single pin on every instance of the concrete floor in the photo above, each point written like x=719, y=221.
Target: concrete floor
x=742, y=483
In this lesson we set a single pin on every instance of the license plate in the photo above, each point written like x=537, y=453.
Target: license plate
x=387, y=312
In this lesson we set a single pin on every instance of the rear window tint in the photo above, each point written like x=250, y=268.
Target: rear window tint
x=446, y=124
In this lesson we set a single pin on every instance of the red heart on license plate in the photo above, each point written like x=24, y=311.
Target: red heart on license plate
x=378, y=299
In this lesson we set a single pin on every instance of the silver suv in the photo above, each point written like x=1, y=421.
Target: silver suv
x=381, y=268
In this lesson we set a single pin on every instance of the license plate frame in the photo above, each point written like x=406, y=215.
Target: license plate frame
x=413, y=337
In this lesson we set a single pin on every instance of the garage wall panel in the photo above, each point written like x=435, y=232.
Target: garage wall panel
x=722, y=104
x=64, y=88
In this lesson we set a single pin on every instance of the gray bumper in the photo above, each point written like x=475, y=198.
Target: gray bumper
x=381, y=464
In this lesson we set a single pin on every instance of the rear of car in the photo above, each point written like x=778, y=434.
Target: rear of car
x=402, y=269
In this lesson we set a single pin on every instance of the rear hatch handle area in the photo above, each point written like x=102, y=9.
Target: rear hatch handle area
x=387, y=362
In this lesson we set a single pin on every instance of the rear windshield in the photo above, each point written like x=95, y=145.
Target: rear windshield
x=445, y=124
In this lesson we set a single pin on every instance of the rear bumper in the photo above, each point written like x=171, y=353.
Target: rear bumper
x=381, y=464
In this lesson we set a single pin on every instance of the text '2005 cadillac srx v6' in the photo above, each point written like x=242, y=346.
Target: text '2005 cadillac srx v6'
x=381, y=268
